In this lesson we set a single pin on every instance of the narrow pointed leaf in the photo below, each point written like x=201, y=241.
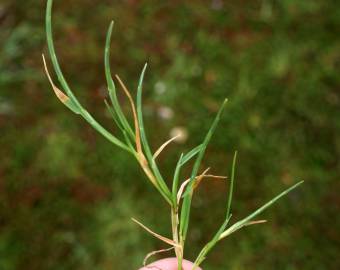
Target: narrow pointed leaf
x=185, y=213
x=111, y=85
x=144, y=140
x=244, y=221
x=55, y=62
x=88, y=117
x=231, y=188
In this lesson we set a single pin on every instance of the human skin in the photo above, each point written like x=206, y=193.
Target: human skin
x=169, y=264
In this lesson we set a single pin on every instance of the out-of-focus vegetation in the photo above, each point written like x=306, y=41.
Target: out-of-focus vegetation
x=67, y=196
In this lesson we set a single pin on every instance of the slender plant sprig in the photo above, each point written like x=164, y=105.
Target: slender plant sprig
x=247, y=221
x=135, y=142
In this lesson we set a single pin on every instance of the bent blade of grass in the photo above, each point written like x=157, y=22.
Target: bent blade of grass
x=54, y=59
x=111, y=85
x=241, y=223
x=160, y=237
x=142, y=160
x=185, y=213
x=231, y=188
x=65, y=86
x=144, y=140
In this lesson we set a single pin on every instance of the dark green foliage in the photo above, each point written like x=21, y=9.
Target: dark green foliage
x=61, y=185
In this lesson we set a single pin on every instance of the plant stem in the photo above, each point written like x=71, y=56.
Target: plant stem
x=174, y=225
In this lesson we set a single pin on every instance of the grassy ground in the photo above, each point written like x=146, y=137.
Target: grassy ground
x=67, y=196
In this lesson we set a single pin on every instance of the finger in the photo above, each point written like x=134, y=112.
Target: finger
x=169, y=264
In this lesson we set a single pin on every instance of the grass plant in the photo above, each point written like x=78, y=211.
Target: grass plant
x=134, y=140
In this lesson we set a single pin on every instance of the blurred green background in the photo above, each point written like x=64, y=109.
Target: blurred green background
x=67, y=195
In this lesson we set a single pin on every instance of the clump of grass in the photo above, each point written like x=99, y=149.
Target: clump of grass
x=135, y=142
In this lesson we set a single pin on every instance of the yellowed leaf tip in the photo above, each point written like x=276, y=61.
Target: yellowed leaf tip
x=255, y=222
x=161, y=148
x=61, y=96
x=142, y=160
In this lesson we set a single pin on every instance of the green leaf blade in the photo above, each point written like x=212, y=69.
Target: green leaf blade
x=231, y=188
x=73, y=104
x=144, y=140
x=184, y=220
x=188, y=156
x=111, y=86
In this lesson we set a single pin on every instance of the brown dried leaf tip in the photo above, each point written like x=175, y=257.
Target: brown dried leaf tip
x=60, y=94
x=142, y=160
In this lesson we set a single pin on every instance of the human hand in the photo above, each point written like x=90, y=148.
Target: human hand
x=169, y=264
